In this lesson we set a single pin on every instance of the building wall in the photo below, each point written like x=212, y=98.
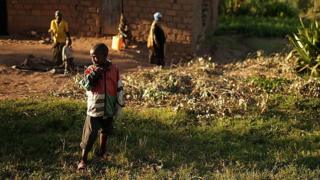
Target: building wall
x=26, y=15
x=177, y=18
x=185, y=21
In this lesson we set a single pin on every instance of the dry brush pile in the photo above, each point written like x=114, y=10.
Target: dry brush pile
x=205, y=90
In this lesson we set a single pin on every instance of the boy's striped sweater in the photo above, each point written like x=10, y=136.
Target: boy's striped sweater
x=99, y=83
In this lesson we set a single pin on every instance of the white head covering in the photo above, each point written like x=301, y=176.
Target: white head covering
x=157, y=16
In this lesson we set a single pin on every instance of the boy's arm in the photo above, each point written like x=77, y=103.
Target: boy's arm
x=67, y=32
x=64, y=53
x=120, y=92
x=120, y=100
x=51, y=30
x=91, y=76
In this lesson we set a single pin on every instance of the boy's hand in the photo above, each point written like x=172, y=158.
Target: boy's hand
x=96, y=75
x=92, y=76
x=98, y=70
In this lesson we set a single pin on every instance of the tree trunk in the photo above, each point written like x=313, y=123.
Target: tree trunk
x=214, y=14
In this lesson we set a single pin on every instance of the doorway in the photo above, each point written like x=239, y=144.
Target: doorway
x=3, y=18
x=111, y=11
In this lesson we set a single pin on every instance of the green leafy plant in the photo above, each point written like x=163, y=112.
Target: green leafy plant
x=270, y=85
x=306, y=45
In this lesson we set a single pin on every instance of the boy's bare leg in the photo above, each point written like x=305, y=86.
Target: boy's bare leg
x=103, y=144
x=84, y=160
x=84, y=156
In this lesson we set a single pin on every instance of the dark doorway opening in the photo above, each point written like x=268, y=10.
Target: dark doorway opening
x=3, y=18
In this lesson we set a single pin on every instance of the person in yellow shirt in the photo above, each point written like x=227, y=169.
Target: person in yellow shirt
x=59, y=30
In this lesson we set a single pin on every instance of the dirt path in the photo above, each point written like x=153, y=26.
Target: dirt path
x=19, y=84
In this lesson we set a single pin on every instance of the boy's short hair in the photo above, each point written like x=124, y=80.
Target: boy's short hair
x=58, y=13
x=100, y=48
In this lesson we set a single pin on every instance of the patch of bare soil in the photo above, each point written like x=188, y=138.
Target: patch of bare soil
x=20, y=84
x=16, y=83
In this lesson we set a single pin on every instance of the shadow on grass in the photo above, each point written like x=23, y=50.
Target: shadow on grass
x=35, y=130
x=45, y=135
x=208, y=149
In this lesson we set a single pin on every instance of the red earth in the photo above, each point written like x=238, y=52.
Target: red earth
x=16, y=83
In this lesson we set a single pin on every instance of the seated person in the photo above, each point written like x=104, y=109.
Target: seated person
x=124, y=31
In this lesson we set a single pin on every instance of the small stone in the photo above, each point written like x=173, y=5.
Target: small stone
x=34, y=33
x=52, y=71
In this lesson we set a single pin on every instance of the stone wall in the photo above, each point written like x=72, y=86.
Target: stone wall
x=82, y=15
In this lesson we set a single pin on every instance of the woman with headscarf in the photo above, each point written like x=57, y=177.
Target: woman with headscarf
x=156, y=41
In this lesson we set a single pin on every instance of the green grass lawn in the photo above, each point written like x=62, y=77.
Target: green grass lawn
x=40, y=139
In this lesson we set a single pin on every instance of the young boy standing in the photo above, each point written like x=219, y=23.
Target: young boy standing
x=67, y=58
x=104, y=91
x=59, y=30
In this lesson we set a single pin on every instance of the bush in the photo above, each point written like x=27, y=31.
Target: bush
x=258, y=8
x=257, y=26
x=279, y=9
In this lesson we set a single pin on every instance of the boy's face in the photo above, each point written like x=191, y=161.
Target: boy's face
x=58, y=17
x=97, y=58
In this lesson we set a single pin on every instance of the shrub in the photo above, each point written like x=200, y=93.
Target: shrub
x=306, y=45
x=279, y=9
x=258, y=8
x=257, y=26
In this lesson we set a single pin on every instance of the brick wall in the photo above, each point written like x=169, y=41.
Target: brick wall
x=177, y=18
x=184, y=21
x=26, y=15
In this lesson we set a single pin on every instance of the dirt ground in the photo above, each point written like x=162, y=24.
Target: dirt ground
x=16, y=83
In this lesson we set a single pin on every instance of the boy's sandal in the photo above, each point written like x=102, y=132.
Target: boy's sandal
x=82, y=165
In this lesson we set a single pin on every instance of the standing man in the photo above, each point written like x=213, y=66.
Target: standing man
x=156, y=41
x=59, y=30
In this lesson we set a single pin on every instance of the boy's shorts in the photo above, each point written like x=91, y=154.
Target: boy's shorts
x=91, y=128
